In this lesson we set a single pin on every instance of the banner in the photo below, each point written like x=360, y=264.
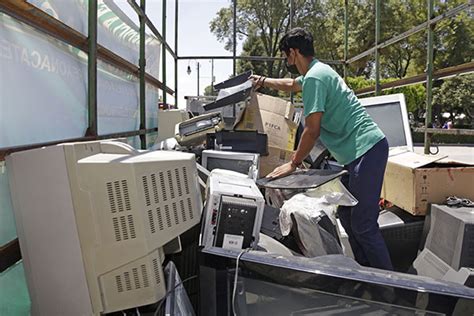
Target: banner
x=115, y=30
x=43, y=82
x=43, y=86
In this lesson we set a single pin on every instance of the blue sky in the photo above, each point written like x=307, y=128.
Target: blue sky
x=194, y=39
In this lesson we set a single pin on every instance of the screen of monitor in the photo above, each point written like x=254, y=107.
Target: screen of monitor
x=388, y=117
x=389, y=112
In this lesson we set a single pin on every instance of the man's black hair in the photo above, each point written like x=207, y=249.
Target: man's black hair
x=297, y=38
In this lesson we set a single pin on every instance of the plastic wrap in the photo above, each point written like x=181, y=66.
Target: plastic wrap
x=307, y=209
x=311, y=203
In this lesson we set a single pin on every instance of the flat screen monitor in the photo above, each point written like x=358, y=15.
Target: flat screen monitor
x=390, y=114
x=246, y=163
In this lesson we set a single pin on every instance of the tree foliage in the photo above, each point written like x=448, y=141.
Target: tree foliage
x=455, y=96
x=415, y=95
x=261, y=24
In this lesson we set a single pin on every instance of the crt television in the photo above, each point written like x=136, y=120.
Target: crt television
x=390, y=114
x=92, y=219
x=246, y=163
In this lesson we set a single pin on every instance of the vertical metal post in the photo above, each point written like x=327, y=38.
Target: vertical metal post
x=346, y=38
x=377, y=51
x=197, y=66
x=142, y=65
x=212, y=75
x=292, y=11
x=234, y=53
x=163, y=58
x=176, y=52
x=429, y=76
x=92, y=70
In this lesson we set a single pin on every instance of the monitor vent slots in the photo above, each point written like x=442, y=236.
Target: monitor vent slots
x=172, y=189
x=134, y=279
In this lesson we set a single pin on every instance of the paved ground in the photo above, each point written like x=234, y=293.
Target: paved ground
x=457, y=153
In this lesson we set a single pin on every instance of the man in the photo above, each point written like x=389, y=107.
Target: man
x=333, y=113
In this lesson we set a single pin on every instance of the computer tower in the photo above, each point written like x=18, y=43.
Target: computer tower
x=233, y=211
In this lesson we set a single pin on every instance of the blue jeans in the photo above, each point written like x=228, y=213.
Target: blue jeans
x=364, y=181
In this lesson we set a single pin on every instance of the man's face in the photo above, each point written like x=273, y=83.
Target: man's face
x=291, y=61
x=290, y=57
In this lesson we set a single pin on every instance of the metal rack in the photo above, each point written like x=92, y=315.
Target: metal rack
x=31, y=15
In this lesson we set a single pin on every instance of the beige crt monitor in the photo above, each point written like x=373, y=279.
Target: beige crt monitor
x=92, y=219
x=167, y=121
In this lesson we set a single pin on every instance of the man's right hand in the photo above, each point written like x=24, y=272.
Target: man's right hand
x=257, y=81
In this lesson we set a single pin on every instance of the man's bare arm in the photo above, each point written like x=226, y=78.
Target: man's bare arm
x=282, y=84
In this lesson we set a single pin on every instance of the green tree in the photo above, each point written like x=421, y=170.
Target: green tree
x=454, y=41
x=415, y=95
x=261, y=24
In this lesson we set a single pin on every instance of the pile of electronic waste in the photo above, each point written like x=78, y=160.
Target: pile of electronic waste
x=295, y=216
x=239, y=207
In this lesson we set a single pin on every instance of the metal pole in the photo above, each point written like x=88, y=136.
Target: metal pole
x=429, y=77
x=212, y=75
x=292, y=95
x=92, y=69
x=377, y=51
x=234, y=53
x=346, y=38
x=176, y=52
x=292, y=12
x=142, y=65
x=198, y=78
x=164, y=51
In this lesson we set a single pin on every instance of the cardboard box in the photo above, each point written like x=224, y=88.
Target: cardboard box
x=412, y=181
x=276, y=157
x=272, y=116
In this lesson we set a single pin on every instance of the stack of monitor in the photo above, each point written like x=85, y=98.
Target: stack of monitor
x=92, y=219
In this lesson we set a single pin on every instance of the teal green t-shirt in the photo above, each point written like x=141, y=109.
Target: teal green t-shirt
x=347, y=130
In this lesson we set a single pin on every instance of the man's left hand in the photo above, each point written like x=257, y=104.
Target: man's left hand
x=282, y=170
